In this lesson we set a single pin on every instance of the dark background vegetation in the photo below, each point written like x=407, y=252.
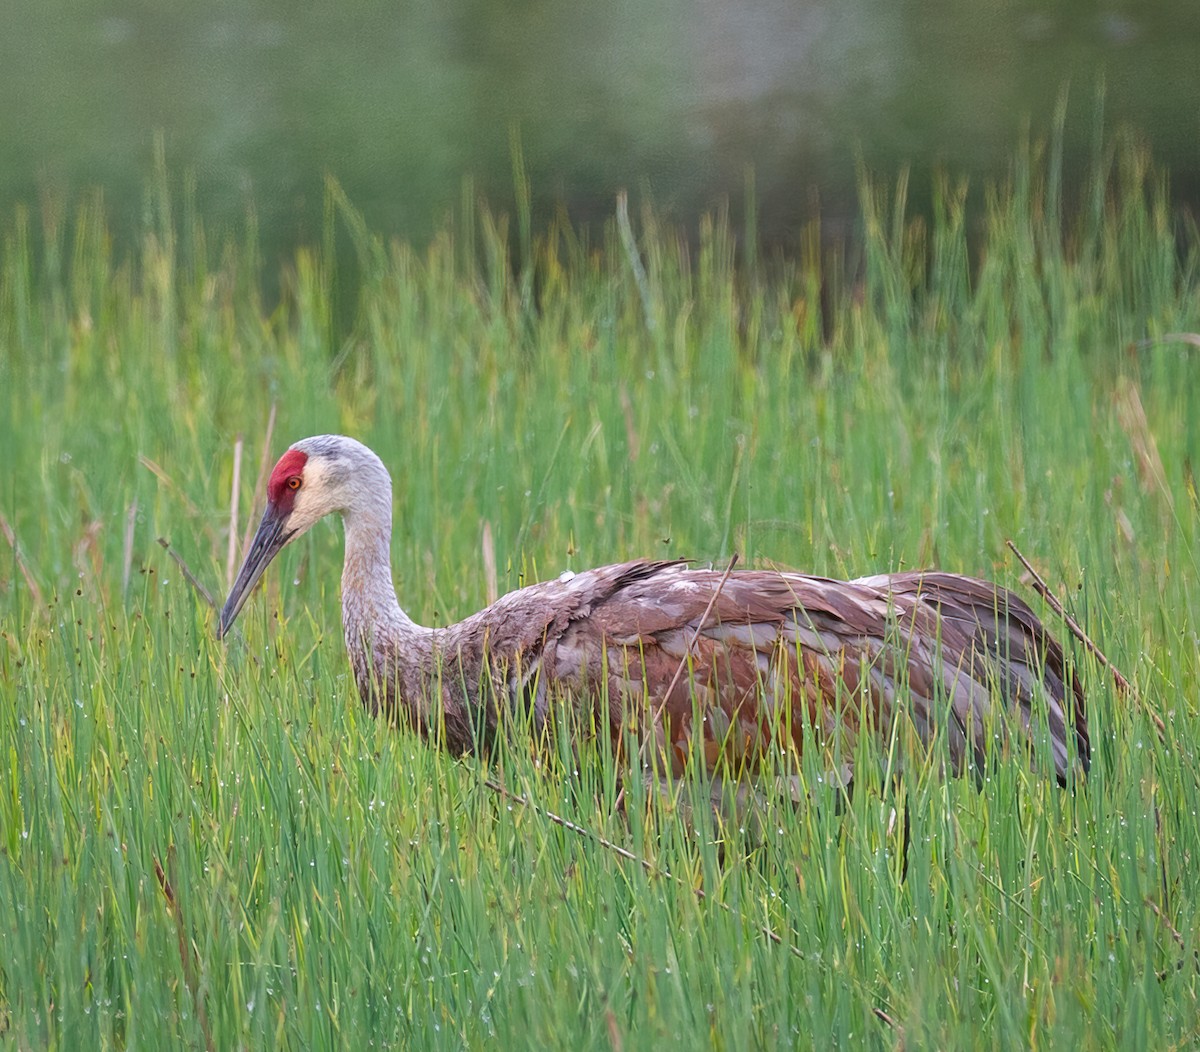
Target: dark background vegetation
x=687, y=103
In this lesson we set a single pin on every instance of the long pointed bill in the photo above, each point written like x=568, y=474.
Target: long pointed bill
x=271, y=536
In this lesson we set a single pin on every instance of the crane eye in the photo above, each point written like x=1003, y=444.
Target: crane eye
x=293, y=482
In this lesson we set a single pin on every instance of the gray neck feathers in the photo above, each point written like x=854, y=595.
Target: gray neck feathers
x=400, y=667
x=387, y=649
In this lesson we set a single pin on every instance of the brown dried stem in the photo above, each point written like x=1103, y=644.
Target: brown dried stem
x=264, y=464
x=234, y=493
x=30, y=583
x=192, y=579
x=769, y=933
x=656, y=715
x=1123, y=685
x=187, y=953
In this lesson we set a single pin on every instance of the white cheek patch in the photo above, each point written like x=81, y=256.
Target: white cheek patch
x=313, y=496
x=315, y=476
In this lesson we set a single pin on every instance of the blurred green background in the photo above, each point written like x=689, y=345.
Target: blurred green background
x=261, y=99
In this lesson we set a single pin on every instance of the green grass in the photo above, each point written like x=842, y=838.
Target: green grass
x=334, y=883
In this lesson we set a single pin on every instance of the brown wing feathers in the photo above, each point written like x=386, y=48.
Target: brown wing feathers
x=930, y=643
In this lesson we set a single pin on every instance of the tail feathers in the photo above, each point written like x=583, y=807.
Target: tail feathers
x=1026, y=661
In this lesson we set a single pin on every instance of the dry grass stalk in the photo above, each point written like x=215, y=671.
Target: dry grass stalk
x=187, y=952
x=264, y=465
x=192, y=579
x=657, y=714
x=1131, y=415
x=234, y=493
x=30, y=583
x=489, y=563
x=1123, y=685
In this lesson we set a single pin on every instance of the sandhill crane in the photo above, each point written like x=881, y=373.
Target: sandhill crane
x=772, y=658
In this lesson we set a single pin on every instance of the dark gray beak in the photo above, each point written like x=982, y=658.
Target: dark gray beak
x=271, y=536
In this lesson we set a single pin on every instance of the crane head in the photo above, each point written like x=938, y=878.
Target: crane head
x=315, y=477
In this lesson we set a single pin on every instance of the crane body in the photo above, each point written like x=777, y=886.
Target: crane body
x=771, y=660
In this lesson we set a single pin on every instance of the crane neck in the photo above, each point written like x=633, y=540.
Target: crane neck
x=370, y=609
x=396, y=662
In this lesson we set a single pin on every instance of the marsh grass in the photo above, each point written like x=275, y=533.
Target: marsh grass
x=215, y=846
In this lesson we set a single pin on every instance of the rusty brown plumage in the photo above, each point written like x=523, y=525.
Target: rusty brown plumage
x=772, y=660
